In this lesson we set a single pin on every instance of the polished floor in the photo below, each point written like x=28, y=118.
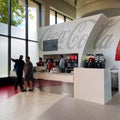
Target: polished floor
x=48, y=103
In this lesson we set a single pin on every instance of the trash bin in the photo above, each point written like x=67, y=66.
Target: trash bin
x=114, y=79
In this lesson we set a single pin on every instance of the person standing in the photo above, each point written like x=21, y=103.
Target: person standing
x=46, y=64
x=62, y=64
x=28, y=73
x=19, y=66
x=50, y=64
x=40, y=62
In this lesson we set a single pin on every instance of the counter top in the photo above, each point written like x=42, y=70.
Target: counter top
x=64, y=77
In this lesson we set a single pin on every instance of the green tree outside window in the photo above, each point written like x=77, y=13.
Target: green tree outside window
x=17, y=12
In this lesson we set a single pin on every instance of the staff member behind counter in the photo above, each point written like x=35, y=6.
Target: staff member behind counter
x=62, y=64
x=50, y=64
x=41, y=66
x=40, y=62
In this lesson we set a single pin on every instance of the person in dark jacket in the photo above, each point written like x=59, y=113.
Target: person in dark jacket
x=19, y=66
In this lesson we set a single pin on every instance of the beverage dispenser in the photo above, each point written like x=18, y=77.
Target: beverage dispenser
x=99, y=61
x=94, y=61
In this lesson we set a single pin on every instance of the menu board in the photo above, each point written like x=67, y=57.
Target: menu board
x=50, y=45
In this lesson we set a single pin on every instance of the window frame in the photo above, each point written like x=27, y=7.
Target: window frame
x=56, y=14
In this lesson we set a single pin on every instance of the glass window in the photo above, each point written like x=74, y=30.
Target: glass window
x=18, y=31
x=56, y=18
x=4, y=17
x=68, y=19
x=33, y=20
x=33, y=52
x=3, y=56
x=18, y=18
x=52, y=17
x=17, y=48
x=60, y=18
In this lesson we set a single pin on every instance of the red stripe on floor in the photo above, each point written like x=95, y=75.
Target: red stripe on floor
x=7, y=92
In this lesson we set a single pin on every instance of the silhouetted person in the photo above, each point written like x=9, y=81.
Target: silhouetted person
x=19, y=66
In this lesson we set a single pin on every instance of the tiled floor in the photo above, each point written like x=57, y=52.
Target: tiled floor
x=27, y=105
x=51, y=104
x=72, y=109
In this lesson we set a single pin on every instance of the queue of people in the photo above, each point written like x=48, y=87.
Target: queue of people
x=27, y=68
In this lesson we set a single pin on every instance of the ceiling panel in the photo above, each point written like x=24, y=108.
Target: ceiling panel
x=71, y=2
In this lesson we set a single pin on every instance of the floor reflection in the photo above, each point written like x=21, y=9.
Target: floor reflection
x=56, y=87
